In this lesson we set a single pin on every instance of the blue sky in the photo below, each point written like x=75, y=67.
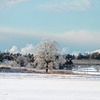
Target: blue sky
x=74, y=24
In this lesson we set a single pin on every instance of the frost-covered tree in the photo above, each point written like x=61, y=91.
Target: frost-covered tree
x=22, y=60
x=46, y=54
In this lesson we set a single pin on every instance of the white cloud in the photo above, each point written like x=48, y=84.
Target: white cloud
x=96, y=51
x=53, y=4
x=17, y=31
x=29, y=48
x=65, y=50
x=14, y=49
x=68, y=5
x=80, y=36
x=76, y=53
x=10, y=3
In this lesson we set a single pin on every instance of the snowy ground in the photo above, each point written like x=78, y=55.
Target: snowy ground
x=89, y=70
x=28, y=86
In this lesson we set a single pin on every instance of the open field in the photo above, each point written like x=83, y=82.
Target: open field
x=16, y=86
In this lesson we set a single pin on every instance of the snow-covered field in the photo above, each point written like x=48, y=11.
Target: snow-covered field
x=89, y=70
x=28, y=86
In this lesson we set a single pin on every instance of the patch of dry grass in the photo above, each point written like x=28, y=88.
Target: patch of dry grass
x=60, y=72
x=25, y=69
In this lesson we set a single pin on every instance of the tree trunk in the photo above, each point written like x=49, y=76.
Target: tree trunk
x=47, y=69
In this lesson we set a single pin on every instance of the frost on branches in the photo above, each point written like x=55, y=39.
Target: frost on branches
x=46, y=54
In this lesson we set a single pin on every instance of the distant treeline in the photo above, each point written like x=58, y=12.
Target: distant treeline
x=24, y=60
x=94, y=55
x=80, y=56
x=86, y=56
x=65, y=61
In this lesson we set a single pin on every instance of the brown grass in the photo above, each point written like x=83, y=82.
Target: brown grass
x=39, y=71
x=60, y=72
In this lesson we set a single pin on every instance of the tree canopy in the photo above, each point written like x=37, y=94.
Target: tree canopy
x=46, y=53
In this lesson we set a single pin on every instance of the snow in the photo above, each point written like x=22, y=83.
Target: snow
x=89, y=70
x=29, y=86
